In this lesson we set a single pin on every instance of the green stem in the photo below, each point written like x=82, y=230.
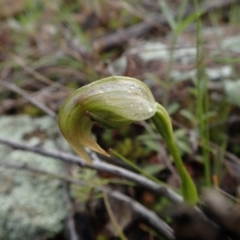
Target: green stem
x=163, y=124
x=202, y=101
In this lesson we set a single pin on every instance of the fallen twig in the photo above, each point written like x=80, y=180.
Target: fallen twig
x=148, y=215
x=70, y=215
x=25, y=95
x=99, y=166
x=36, y=74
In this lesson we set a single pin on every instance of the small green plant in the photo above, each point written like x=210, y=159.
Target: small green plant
x=113, y=103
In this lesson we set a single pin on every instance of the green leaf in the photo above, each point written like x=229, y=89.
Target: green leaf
x=153, y=169
x=188, y=115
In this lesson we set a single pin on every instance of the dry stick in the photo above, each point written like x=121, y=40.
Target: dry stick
x=133, y=11
x=25, y=95
x=32, y=169
x=112, y=216
x=70, y=220
x=22, y=101
x=99, y=166
x=36, y=74
x=70, y=223
x=151, y=217
x=121, y=37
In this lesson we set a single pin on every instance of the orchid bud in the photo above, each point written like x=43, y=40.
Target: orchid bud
x=112, y=102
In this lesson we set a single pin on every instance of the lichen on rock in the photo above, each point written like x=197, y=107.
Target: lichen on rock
x=31, y=205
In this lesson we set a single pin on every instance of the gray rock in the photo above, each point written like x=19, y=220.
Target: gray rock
x=31, y=205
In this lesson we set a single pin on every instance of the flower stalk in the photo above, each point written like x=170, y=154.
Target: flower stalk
x=163, y=124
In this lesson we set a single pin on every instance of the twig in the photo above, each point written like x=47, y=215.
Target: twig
x=35, y=170
x=70, y=224
x=70, y=221
x=37, y=75
x=38, y=104
x=99, y=166
x=152, y=218
x=112, y=216
x=149, y=216
x=8, y=104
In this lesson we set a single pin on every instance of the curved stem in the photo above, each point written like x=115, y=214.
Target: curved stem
x=163, y=124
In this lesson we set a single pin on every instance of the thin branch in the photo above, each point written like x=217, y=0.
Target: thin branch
x=112, y=216
x=29, y=168
x=70, y=220
x=37, y=75
x=25, y=95
x=151, y=217
x=99, y=166
x=70, y=224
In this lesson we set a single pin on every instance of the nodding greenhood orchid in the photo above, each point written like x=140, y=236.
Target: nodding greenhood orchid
x=114, y=102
